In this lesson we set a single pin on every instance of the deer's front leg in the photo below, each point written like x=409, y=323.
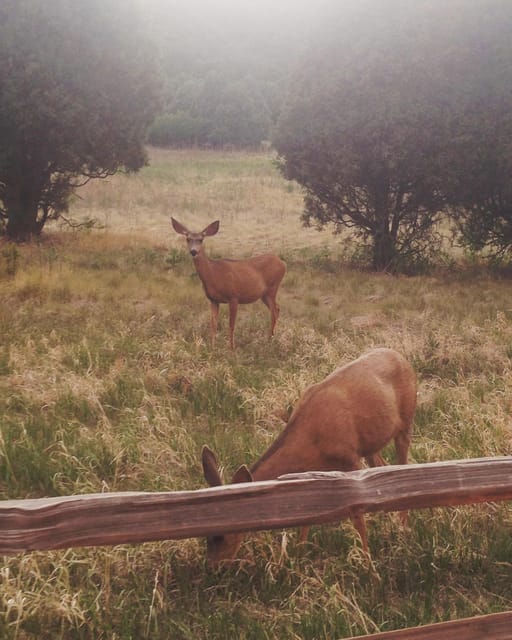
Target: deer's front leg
x=214, y=320
x=233, y=309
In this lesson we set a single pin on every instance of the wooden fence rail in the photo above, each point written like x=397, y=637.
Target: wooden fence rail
x=496, y=626
x=292, y=500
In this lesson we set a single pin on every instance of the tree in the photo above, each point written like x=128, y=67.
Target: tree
x=78, y=87
x=371, y=119
x=482, y=195
x=479, y=159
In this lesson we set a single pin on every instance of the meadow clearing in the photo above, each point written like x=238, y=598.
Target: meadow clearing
x=108, y=382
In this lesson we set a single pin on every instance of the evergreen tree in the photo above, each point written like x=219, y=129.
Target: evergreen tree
x=78, y=87
x=381, y=128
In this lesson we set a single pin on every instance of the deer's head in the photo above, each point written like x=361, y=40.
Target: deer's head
x=195, y=240
x=223, y=547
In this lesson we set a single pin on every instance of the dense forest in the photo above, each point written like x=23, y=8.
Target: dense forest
x=227, y=67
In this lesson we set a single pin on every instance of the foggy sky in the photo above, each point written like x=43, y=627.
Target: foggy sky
x=253, y=19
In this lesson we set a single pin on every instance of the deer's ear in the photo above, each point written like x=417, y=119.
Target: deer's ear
x=210, y=467
x=242, y=475
x=211, y=229
x=178, y=227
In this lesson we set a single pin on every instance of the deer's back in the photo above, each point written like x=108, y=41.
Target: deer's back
x=351, y=414
x=362, y=405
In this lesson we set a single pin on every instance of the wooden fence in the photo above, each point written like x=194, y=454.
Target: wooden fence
x=289, y=501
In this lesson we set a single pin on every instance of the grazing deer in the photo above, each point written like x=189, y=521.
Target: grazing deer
x=352, y=414
x=234, y=282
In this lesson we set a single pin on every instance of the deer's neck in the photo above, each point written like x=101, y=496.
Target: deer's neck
x=203, y=266
x=280, y=458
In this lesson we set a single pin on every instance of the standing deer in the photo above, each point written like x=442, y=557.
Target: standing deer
x=352, y=414
x=234, y=282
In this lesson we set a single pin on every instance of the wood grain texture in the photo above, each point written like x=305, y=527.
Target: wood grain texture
x=496, y=626
x=313, y=498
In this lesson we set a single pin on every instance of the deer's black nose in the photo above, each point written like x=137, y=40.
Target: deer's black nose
x=193, y=252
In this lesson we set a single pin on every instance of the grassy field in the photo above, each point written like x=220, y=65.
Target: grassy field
x=108, y=383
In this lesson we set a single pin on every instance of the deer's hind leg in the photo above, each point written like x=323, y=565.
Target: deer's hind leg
x=269, y=299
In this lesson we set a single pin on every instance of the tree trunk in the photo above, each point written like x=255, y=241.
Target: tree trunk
x=22, y=224
x=384, y=246
x=21, y=201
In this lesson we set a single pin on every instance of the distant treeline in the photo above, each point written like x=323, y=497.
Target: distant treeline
x=215, y=111
x=225, y=80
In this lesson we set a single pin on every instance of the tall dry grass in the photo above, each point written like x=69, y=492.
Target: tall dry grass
x=258, y=210
x=108, y=382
